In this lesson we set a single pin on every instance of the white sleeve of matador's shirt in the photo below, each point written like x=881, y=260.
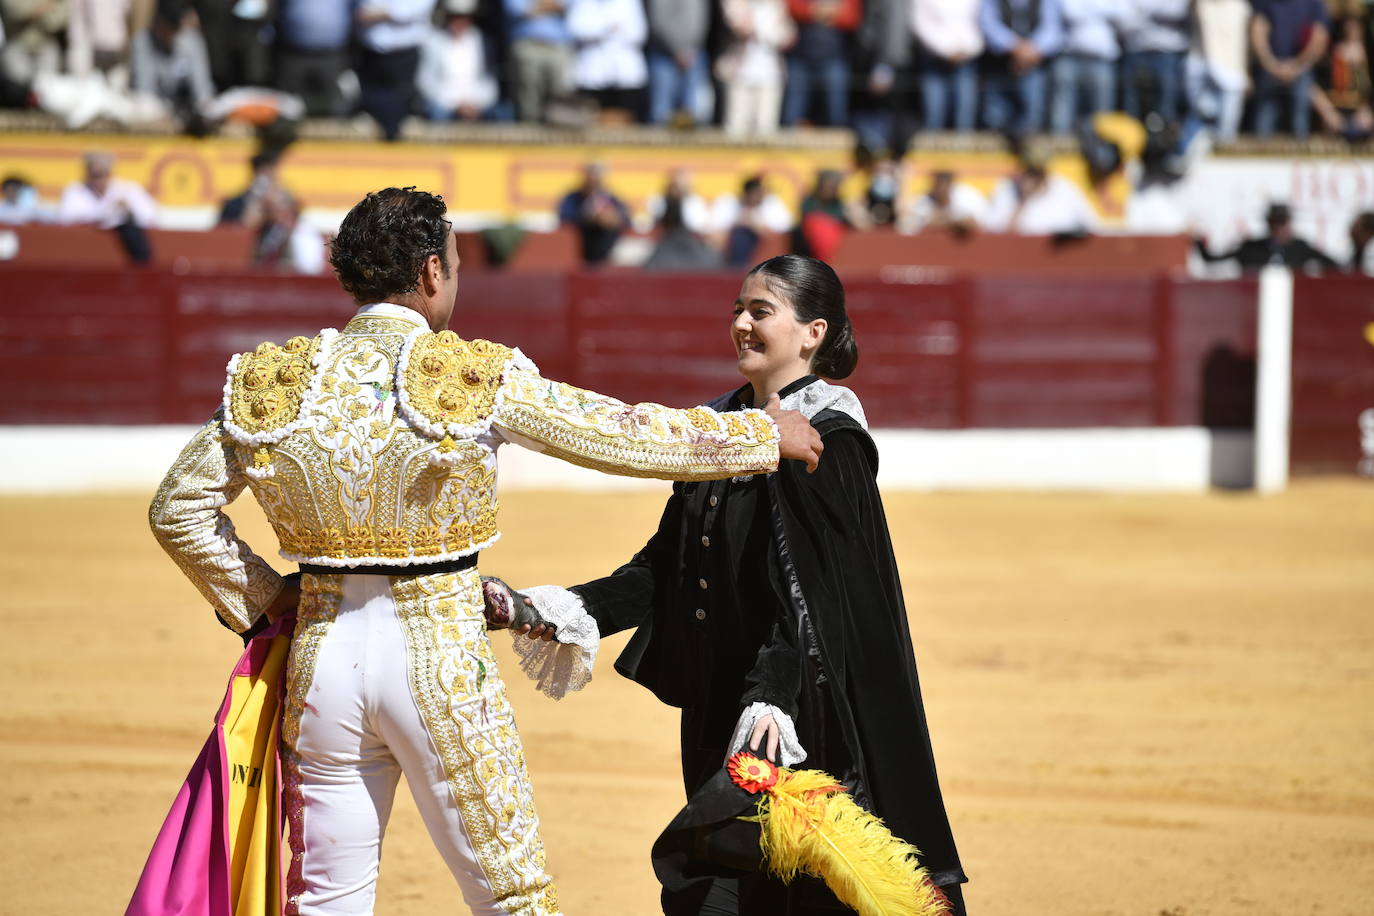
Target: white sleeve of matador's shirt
x=188, y=520
x=632, y=440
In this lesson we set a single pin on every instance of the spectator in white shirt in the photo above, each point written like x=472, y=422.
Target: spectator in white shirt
x=1084, y=73
x=97, y=36
x=1035, y=202
x=608, y=62
x=1217, y=66
x=453, y=77
x=107, y=202
x=694, y=214
x=751, y=68
x=950, y=42
x=950, y=205
x=748, y=216
x=103, y=200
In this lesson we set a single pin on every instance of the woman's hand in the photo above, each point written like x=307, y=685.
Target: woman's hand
x=765, y=728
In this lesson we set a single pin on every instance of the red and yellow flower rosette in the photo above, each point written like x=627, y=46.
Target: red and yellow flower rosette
x=809, y=824
x=752, y=774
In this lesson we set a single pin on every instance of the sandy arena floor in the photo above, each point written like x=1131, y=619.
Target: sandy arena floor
x=1152, y=705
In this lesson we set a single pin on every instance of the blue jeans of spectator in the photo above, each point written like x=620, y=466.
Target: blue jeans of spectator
x=1271, y=95
x=1014, y=102
x=499, y=111
x=1163, y=70
x=673, y=89
x=1083, y=86
x=948, y=92
x=833, y=75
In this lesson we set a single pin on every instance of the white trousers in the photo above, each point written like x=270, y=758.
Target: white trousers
x=379, y=687
x=752, y=110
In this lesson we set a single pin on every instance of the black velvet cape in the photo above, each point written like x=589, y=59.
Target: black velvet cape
x=858, y=707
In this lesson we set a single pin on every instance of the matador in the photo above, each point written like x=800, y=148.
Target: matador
x=372, y=451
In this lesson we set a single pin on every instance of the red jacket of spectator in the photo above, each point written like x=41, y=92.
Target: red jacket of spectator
x=846, y=20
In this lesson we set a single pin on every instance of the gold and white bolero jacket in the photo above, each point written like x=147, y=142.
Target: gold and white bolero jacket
x=377, y=445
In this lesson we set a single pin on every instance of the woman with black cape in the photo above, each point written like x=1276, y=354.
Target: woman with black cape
x=769, y=609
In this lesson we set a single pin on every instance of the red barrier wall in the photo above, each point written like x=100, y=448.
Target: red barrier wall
x=1333, y=370
x=229, y=248
x=1033, y=352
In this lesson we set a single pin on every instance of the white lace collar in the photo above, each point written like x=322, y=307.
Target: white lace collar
x=811, y=399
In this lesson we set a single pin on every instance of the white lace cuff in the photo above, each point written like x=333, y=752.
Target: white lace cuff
x=790, y=751
x=565, y=663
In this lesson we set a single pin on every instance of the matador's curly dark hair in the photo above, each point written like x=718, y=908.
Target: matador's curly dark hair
x=385, y=240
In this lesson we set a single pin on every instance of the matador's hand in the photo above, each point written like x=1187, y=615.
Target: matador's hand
x=797, y=438
x=505, y=608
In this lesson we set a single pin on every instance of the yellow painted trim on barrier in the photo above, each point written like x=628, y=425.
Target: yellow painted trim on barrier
x=501, y=181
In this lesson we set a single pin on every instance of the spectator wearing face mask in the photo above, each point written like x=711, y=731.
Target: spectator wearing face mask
x=883, y=199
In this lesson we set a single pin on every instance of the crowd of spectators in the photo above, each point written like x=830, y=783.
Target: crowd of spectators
x=886, y=68
x=691, y=233
x=281, y=239
x=688, y=232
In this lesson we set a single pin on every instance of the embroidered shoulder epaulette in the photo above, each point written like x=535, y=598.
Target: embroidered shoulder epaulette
x=449, y=388
x=269, y=390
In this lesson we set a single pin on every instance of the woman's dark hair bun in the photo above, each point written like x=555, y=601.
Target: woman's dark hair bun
x=839, y=354
x=816, y=292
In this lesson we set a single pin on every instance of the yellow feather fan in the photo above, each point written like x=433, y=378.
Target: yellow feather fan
x=810, y=825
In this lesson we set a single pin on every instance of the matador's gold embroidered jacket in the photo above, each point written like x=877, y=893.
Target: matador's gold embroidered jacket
x=377, y=445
